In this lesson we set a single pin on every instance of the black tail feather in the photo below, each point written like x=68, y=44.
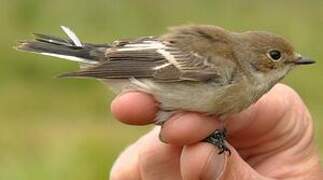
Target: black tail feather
x=63, y=48
x=52, y=39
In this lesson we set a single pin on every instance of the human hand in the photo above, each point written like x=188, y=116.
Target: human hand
x=271, y=139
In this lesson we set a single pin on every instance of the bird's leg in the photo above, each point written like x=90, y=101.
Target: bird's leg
x=217, y=138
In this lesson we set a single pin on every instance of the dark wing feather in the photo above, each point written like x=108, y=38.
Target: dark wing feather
x=150, y=63
x=186, y=66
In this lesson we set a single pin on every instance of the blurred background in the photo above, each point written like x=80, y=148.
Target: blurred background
x=63, y=129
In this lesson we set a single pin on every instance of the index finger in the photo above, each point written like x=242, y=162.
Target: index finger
x=135, y=108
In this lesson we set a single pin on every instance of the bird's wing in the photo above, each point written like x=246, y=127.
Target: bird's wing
x=155, y=58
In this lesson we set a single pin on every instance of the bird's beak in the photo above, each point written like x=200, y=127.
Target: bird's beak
x=300, y=60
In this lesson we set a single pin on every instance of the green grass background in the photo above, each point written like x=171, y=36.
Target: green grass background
x=63, y=129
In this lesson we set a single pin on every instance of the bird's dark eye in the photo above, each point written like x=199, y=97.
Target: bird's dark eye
x=274, y=55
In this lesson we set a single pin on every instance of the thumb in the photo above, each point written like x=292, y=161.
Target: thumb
x=202, y=161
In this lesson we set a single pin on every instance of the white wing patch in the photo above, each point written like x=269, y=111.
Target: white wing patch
x=144, y=45
x=161, y=66
x=168, y=56
x=158, y=46
x=72, y=36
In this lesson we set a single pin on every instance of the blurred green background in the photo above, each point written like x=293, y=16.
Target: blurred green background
x=63, y=129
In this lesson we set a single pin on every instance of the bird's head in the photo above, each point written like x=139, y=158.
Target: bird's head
x=267, y=55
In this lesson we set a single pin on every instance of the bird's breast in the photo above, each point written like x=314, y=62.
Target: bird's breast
x=204, y=97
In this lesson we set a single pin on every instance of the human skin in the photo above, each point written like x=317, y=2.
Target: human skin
x=272, y=139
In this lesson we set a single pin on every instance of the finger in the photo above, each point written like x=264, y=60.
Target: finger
x=202, y=161
x=188, y=128
x=148, y=158
x=134, y=108
x=159, y=160
x=126, y=167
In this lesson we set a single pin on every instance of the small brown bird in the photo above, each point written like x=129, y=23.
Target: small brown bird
x=199, y=68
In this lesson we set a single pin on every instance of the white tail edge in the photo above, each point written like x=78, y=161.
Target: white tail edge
x=71, y=58
x=72, y=36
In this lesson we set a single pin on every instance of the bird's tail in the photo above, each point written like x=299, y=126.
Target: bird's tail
x=71, y=49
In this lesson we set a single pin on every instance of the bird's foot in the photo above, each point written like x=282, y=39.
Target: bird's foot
x=217, y=138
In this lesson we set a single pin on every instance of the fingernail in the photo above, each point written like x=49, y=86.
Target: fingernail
x=161, y=138
x=174, y=117
x=216, y=165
